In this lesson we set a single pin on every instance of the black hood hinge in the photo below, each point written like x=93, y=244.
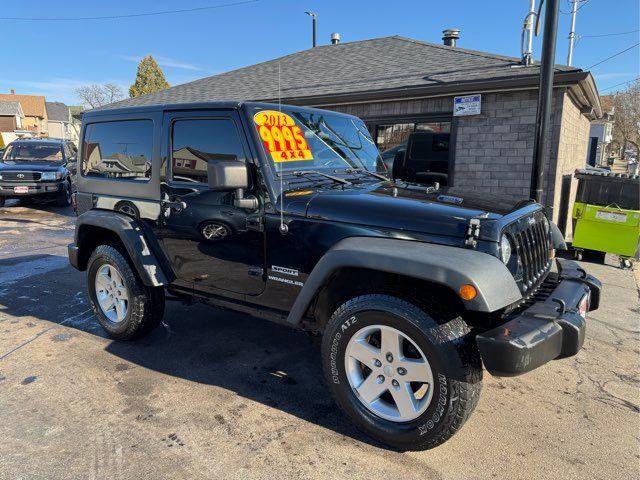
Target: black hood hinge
x=473, y=233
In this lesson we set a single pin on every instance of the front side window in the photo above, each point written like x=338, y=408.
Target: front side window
x=33, y=152
x=299, y=140
x=120, y=150
x=196, y=142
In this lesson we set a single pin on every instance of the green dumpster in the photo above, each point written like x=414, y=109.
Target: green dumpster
x=606, y=214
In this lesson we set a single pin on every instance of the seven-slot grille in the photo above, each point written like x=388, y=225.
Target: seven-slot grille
x=21, y=176
x=533, y=246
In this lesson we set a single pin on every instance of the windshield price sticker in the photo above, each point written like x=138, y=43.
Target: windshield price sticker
x=281, y=137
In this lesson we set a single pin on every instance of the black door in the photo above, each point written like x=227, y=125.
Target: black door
x=203, y=234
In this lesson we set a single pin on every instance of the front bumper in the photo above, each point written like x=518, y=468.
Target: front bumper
x=546, y=330
x=39, y=188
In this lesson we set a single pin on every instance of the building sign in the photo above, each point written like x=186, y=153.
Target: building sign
x=467, y=105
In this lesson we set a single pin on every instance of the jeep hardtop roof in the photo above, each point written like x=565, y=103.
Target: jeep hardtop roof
x=218, y=104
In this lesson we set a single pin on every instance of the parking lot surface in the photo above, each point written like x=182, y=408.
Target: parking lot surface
x=213, y=394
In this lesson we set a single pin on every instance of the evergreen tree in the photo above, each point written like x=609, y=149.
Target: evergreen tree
x=149, y=78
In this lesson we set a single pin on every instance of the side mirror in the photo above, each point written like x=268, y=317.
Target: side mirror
x=227, y=175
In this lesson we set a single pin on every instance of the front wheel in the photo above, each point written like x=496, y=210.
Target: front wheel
x=63, y=199
x=124, y=306
x=403, y=377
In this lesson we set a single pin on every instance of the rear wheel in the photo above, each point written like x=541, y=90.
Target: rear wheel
x=124, y=306
x=403, y=377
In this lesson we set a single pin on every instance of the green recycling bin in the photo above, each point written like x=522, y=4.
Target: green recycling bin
x=606, y=214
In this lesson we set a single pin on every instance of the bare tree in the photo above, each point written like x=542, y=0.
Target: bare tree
x=96, y=95
x=626, y=117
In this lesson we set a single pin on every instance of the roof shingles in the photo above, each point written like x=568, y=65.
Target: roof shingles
x=378, y=64
x=32, y=105
x=10, y=109
x=57, y=112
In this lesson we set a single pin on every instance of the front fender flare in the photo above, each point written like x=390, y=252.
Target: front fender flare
x=441, y=264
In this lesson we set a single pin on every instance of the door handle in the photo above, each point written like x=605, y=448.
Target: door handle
x=177, y=206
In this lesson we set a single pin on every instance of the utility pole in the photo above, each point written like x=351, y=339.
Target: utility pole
x=572, y=32
x=313, y=23
x=545, y=94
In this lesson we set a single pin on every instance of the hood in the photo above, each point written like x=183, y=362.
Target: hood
x=444, y=212
x=26, y=166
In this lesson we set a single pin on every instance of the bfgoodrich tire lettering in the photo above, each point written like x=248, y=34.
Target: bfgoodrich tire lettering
x=450, y=352
x=145, y=304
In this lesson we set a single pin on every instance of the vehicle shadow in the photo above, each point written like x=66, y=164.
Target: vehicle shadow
x=38, y=204
x=265, y=362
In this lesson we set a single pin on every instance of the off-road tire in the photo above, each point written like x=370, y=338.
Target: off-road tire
x=146, y=305
x=451, y=352
x=63, y=199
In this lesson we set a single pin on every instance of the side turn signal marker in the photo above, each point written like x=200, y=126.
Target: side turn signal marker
x=468, y=292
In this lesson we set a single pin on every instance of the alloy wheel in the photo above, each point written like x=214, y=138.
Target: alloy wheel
x=214, y=231
x=389, y=373
x=112, y=293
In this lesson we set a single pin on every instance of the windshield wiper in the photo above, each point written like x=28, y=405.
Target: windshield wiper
x=364, y=170
x=322, y=174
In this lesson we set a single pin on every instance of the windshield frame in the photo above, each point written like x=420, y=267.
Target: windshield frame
x=288, y=174
x=10, y=148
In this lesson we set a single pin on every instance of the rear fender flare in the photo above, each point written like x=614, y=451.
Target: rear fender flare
x=131, y=234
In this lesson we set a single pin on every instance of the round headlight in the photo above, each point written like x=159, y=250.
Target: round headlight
x=505, y=249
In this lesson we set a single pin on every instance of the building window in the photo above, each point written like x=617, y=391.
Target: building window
x=196, y=142
x=430, y=158
x=120, y=150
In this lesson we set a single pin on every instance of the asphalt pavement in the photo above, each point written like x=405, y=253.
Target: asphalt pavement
x=212, y=394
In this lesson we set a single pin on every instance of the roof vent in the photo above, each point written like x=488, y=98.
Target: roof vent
x=450, y=36
x=335, y=38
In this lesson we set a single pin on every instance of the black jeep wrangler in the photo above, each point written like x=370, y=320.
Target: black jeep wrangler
x=286, y=213
x=38, y=168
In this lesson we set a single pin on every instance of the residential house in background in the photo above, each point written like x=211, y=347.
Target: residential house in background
x=35, y=112
x=60, y=122
x=11, y=118
x=601, y=134
x=400, y=85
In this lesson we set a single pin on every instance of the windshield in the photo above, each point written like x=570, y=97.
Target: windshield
x=298, y=141
x=34, y=152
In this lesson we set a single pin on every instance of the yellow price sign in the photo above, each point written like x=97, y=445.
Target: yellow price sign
x=281, y=137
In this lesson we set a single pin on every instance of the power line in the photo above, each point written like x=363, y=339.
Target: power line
x=132, y=15
x=609, y=34
x=618, y=84
x=612, y=56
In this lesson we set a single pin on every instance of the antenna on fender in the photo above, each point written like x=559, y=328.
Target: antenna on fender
x=284, y=228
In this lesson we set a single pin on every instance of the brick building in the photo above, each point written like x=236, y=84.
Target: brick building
x=398, y=85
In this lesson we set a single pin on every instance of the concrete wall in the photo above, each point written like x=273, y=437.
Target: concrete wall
x=494, y=150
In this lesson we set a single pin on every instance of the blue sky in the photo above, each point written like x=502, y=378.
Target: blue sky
x=53, y=58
